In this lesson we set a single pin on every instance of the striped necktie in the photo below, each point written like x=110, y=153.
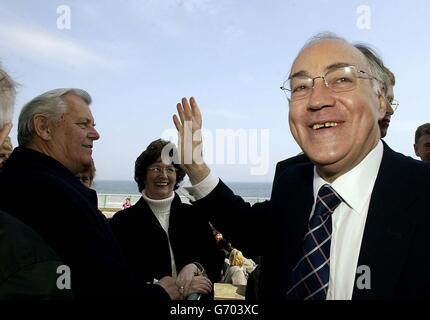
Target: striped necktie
x=311, y=274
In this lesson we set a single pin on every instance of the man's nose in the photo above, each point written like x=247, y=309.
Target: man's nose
x=321, y=95
x=390, y=110
x=93, y=134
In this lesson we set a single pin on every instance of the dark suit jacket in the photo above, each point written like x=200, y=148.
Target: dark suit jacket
x=281, y=166
x=395, y=240
x=146, y=247
x=28, y=267
x=46, y=196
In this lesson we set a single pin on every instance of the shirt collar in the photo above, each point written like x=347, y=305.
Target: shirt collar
x=355, y=186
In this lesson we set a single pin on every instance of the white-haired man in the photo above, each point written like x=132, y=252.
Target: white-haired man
x=56, y=132
x=28, y=267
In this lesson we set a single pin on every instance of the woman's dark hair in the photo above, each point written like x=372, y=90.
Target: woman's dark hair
x=150, y=156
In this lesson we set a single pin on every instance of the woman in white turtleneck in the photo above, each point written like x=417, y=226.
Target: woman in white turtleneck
x=160, y=235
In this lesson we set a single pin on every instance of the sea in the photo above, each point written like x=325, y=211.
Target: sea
x=244, y=189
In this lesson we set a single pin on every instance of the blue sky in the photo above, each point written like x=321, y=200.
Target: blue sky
x=138, y=58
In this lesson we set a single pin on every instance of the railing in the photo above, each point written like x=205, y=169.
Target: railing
x=114, y=202
x=111, y=201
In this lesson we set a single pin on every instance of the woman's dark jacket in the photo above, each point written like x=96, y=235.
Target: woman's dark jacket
x=145, y=243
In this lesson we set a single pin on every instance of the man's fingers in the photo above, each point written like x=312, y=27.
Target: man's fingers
x=180, y=112
x=187, y=110
x=195, y=110
x=177, y=123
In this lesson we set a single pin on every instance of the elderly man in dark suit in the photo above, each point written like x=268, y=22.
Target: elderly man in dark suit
x=350, y=224
x=28, y=266
x=388, y=80
x=39, y=186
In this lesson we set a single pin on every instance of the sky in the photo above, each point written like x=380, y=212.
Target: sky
x=138, y=58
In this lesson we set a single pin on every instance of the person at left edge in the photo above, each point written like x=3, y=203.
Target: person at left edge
x=28, y=266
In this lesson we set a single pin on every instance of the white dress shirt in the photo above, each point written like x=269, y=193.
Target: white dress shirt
x=348, y=220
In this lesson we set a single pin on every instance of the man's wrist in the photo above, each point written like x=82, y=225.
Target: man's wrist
x=197, y=172
x=201, y=189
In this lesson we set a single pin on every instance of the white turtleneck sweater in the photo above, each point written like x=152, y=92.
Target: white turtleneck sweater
x=161, y=210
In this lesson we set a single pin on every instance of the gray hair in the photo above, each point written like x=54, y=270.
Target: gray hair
x=50, y=104
x=7, y=97
x=325, y=35
x=376, y=65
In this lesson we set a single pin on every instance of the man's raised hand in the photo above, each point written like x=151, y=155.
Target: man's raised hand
x=188, y=122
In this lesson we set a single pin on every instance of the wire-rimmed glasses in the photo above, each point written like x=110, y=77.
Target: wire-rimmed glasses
x=338, y=79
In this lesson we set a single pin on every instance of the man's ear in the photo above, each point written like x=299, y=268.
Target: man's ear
x=382, y=108
x=416, y=150
x=42, y=127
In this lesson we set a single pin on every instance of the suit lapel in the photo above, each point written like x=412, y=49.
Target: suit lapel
x=387, y=230
x=294, y=195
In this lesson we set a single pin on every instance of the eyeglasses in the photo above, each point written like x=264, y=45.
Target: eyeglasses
x=339, y=79
x=394, y=104
x=158, y=170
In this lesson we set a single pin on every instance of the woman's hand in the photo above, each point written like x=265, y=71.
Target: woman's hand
x=169, y=284
x=191, y=281
x=199, y=284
